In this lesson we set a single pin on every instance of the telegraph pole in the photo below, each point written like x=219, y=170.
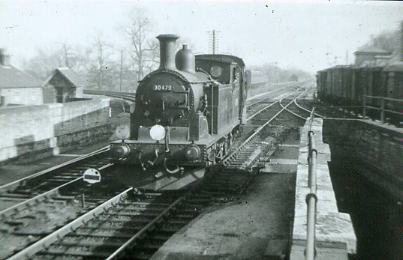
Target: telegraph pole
x=213, y=38
x=401, y=41
x=121, y=70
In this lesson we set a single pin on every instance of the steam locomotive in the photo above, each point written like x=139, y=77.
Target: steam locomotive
x=187, y=112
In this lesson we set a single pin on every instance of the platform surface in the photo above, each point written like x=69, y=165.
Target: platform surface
x=259, y=221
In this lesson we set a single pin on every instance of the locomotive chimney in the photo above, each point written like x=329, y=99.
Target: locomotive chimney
x=167, y=51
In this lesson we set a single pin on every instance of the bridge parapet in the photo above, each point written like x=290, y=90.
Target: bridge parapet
x=335, y=237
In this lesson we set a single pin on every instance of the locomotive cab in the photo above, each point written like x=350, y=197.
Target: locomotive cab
x=228, y=70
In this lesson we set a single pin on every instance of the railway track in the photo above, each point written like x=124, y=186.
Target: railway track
x=295, y=109
x=308, y=111
x=28, y=202
x=302, y=108
x=47, y=183
x=259, y=138
x=135, y=224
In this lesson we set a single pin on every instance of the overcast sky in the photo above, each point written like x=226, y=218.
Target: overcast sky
x=300, y=34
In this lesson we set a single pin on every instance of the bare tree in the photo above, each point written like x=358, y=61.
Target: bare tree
x=153, y=55
x=45, y=60
x=101, y=63
x=143, y=50
x=388, y=41
x=49, y=58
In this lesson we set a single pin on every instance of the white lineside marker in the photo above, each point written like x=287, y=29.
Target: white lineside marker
x=92, y=176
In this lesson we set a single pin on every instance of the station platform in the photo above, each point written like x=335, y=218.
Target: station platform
x=13, y=171
x=269, y=221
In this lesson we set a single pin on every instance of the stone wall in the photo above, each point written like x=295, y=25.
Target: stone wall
x=28, y=96
x=366, y=171
x=24, y=96
x=371, y=145
x=32, y=132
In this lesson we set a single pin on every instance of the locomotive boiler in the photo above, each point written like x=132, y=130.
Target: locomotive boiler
x=186, y=112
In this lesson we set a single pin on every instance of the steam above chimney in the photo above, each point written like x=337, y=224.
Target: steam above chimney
x=167, y=51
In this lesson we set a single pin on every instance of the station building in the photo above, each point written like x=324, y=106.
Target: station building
x=68, y=84
x=20, y=88
x=372, y=56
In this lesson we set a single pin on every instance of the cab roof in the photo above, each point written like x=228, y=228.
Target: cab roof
x=221, y=58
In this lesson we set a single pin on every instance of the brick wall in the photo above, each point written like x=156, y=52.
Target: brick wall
x=28, y=131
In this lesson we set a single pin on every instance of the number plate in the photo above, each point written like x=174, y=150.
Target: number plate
x=162, y=87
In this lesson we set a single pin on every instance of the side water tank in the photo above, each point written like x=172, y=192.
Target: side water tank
x=185, y=60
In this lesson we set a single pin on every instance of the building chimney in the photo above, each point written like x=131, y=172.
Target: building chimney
x=4, y=59
x=401, y=41
x=167, y=51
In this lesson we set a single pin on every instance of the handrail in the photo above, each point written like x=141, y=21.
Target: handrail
x=382, y=109
x=385, y=98
x=311, y=197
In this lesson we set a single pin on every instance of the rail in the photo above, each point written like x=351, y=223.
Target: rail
x=384, y=102
x=14, y=184
x=311, y=197
x=146, y=228
x=116, y=94
x=307, y=110
x=45, y=242
x=53, y=191
x=256, y=131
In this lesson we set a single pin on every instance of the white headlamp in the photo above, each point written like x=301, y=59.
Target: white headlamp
x=157, y=132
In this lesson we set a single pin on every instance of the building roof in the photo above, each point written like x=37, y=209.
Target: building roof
x=11, y=77
x=73, y=77
x=372, y=50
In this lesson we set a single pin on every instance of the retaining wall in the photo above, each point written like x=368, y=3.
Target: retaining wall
x=32, y=132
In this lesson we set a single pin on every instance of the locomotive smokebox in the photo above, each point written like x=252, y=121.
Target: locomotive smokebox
x=185, y=60
x=167, y=51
